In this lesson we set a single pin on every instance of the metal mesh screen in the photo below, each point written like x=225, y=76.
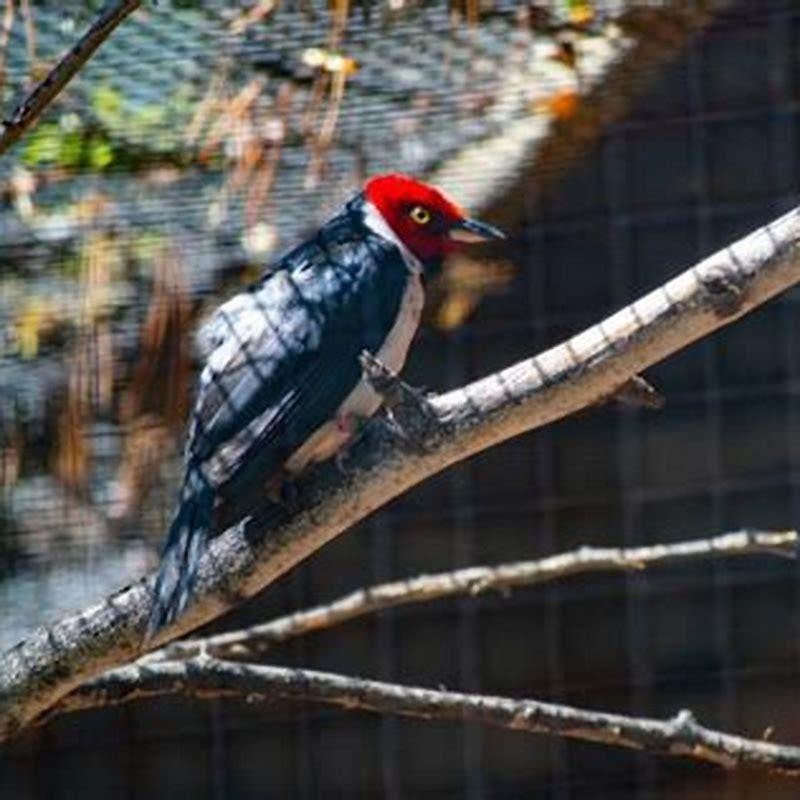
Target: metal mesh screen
x=202, y=147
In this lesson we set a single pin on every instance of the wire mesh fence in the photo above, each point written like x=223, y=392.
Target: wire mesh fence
x=617, y=143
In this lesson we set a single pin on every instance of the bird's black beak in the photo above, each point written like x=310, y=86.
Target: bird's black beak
x=470, y=230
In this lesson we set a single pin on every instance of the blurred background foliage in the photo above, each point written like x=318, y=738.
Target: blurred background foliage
x=204, y=138
x=199, y=141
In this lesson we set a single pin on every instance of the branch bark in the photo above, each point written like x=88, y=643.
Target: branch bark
x=207, y=678
x=593, y=365
x=253, y=641
x=64, y=71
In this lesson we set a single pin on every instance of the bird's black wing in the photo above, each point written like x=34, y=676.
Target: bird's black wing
x=281, y=367
x=289, y=362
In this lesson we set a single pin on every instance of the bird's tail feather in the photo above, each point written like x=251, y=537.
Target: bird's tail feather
x=187, y=539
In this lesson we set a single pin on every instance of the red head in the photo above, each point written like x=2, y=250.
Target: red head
x=428, y=222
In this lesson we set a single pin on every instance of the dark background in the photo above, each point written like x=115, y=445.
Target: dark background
x=707, y=153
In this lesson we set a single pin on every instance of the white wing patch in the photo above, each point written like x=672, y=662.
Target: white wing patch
x=241, y=313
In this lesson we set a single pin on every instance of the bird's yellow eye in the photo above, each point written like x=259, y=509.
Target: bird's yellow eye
x=420, y=215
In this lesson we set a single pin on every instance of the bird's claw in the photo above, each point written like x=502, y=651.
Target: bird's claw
x=284, y=493
x=340, y=460
x=407, y=436
x=408, y=411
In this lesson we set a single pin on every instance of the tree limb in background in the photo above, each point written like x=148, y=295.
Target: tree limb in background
x=185, y=667
x=206, y=678
x=572, y=376
x=64, y=71
x=249, y=642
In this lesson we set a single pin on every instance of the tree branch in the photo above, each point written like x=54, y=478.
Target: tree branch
x=250, y=642
x=36, y=673
x=206, y=678
x=64, y=71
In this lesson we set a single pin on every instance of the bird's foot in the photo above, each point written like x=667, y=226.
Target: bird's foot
x=409, y=413
x=282, y=491
x=341, y=460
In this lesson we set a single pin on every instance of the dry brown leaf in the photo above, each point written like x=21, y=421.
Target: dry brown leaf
x=11, y=451
x=71, y=460
x=258, y=13
x=154, y=406
x=566, y=53
x=561, y=105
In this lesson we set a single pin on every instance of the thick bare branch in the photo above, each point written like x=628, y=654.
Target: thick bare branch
x=35, y=674
x=64, y=71
x=250, y=642
x=206, y=677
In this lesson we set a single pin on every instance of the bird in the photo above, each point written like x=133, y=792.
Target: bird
x=282, y=387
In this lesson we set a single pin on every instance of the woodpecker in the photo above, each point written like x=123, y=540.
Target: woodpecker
x=282, y=387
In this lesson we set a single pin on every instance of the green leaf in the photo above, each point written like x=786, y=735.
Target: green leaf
x=101, y=153
x=70, y=151
x=107, y=104
x=43, y=145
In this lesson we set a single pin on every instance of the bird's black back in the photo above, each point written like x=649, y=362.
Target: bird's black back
x=289, y=360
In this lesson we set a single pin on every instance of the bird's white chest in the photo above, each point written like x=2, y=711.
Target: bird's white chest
x=362, y=400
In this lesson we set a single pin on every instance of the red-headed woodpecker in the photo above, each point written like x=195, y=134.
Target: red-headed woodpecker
x=282, y=385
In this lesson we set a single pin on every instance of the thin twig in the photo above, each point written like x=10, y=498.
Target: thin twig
x=575, y=375
x=257, y=639
x=62, y=73
x=206, y=678
x=30, y=34
x=257, y=13
x=5, y=35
